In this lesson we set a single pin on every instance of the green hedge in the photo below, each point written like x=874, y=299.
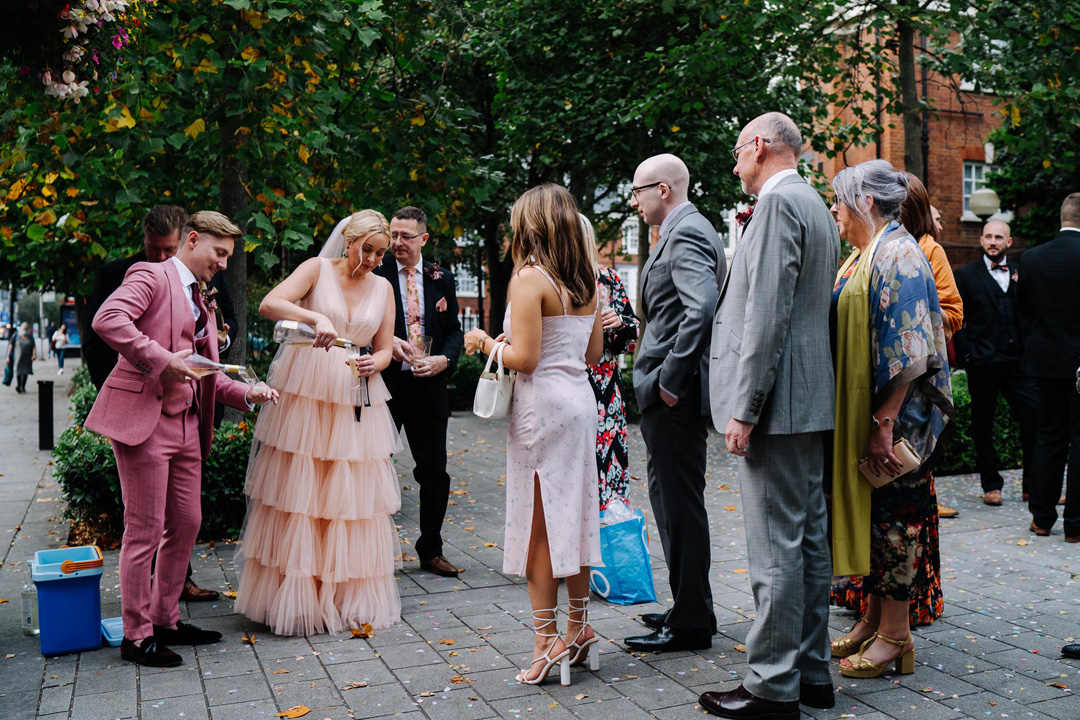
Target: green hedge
x=462, y=384
x=85, y=468
x=959, y=457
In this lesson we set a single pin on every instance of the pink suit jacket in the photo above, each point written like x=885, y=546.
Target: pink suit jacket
x=144, y=321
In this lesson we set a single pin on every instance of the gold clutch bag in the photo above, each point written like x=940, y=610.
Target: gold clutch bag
x=909, y=461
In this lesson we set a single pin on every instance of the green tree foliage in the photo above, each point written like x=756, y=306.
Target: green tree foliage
x=1025, y=51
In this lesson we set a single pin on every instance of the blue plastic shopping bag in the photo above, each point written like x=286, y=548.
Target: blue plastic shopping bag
x=626, y=578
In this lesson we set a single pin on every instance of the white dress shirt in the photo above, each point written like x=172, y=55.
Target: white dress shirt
x=772, y=182
x=1000, y=276
x=667, y=220
x=187, y=279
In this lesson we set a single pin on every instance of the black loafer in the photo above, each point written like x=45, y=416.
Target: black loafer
x=185, y=634
x=668, y=639
x=817, y=696
x=151, y=654
x=655, y=621
x=1071, y=651
x=741, y=704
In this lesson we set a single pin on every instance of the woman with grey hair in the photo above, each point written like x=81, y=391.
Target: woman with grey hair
x=892, y=384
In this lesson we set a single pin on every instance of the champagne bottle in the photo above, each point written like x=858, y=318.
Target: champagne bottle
x=294, y=332
x=203, y=367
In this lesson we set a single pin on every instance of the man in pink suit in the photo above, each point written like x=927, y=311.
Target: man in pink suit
x=159, y=416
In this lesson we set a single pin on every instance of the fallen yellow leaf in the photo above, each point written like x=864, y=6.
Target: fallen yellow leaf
x=295, y=712
x=3, y=600
x=229, y=593
x=280, y=672
x=1022, y=543
x=740, y=571
x=248, y=639
x=447, y=641
x=740, y=648
x=364, y=631
x=729, y=508
x=354, y=685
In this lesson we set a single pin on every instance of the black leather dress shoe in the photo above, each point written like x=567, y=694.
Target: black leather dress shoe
x=1071, y=651
x=656, y=621
x=740, y=704
x=817, y=696
x=151, y=654
x=667, y=639
x=185, y=634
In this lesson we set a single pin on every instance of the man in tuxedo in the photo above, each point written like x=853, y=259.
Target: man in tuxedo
x=158, y=415
x=161, y=239
x=1050, y=307
x=426, y=302
x=679, y=286
x=773, y=396
x=990, y=347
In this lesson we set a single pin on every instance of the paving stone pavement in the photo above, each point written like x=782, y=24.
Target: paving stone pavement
x=1012, y=600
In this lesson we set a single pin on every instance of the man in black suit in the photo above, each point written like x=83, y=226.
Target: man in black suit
x=1050, y=308
x=161, y=240
x=426, y=302
x=991, y=347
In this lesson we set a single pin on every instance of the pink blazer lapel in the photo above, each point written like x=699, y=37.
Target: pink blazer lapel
x=177, y=304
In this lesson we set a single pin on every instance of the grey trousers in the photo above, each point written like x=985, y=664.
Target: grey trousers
x=790, y=564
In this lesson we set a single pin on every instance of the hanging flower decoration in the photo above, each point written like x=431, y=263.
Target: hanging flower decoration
x=92, y=31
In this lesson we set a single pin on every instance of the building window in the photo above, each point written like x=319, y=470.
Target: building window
x=465, y=280
x=628, y=275
x=630, y=237
x=974, y=178
x=468, y=319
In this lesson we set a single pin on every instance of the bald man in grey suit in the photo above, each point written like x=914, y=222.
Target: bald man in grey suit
x=772, y=395
x=679, y=287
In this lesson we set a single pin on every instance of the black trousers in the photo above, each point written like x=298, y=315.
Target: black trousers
x=676, y=440
x=1059, y=440
x=1022, y=394
x=426, y=432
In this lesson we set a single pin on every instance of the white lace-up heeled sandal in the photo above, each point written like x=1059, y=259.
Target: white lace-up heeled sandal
x=562, y=659
x=579, y=649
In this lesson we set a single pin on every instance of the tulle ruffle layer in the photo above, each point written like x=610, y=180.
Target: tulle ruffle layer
x=320, y=375
x=294, y=605
x=334, y=551
x=327, y=489
x=328, y=431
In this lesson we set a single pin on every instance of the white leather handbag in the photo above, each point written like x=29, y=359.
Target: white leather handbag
x=495, y=391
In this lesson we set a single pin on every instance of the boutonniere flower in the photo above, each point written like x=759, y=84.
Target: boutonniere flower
x=433, y=271
x=209, y=296
x=744, y=217
x=1015, y=276
x=441, y=305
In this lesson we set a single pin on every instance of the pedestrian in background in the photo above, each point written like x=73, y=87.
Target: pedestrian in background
x=24, y=353
x=59, y=345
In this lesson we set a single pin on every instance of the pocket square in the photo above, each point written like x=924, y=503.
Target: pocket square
x=441, y=305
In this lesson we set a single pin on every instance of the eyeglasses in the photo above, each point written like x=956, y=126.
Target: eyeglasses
x=735, y=150
x=403, y=236
x=635, y=190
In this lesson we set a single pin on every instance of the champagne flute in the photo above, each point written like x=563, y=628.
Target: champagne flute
x=360, y=386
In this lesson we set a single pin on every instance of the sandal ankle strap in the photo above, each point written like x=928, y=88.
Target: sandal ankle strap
x=891, y=641
x=545, y=622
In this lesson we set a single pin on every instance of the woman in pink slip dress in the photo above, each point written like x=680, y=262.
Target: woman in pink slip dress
x=319, y=546
x=552, y=500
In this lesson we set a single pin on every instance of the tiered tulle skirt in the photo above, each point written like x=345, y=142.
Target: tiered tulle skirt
x=320, y=547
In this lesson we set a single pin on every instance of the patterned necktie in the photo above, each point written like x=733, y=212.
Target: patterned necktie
x=412, y=298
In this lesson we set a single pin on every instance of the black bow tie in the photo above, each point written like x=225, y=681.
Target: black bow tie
x=999, y=266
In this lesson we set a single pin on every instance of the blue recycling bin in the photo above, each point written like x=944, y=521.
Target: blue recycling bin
x=68, y=584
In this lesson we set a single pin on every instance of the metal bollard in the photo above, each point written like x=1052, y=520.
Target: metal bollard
x=45, y=414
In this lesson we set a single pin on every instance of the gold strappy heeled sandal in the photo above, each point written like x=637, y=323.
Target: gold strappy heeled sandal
x=863, y=668
x=562, y=659
x=843, y=647
x=579, y=649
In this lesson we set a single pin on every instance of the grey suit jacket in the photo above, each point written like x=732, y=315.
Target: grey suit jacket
x=771, y=355
x=679, y=287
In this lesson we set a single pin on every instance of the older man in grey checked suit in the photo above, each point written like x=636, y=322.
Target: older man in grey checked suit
x=679, y=287
x=772, y=397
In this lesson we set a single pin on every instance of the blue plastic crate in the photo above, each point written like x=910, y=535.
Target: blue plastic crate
x=68, y=582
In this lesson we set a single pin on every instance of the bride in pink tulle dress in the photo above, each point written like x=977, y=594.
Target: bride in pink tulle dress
x=319, y=546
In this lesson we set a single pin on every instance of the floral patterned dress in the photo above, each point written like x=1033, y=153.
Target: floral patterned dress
x=908, y=345
x=612, y=455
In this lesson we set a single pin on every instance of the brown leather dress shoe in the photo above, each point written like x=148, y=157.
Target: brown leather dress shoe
x=992, y=497
x=440, y=566
x=945, y=512
x=194, y=593
x=1072, y=538
x=1038, y=530
x=741, y=704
